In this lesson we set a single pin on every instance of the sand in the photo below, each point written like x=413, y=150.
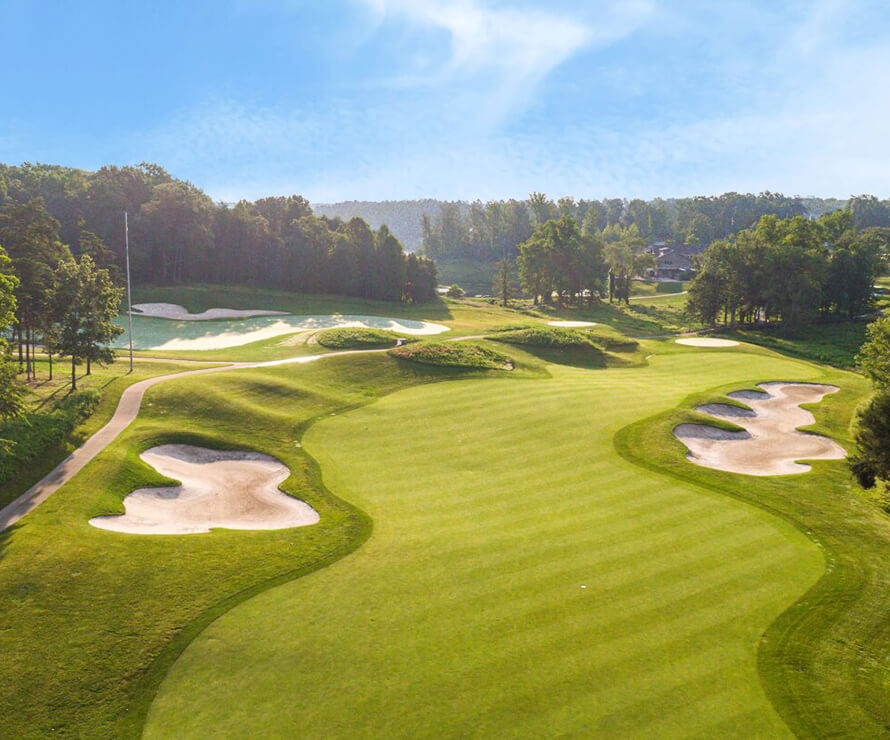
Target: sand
x=771, y=443
x=225, y=489
x=164, y=333
x=706, y=342
x=179, y=313
x=571, y=324
x=124, y=414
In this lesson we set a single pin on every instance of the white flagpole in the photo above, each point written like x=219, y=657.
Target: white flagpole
x=129, y=297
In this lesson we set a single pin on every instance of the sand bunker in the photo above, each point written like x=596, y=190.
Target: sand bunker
x=707, y=342
x=571, y=324
x=180, y=313
x=152, y=333
x=231, y=490
x=771, y=444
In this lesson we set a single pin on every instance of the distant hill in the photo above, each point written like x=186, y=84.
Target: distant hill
x=402, y=217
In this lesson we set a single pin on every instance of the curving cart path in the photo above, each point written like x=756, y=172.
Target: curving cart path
x=127, y=409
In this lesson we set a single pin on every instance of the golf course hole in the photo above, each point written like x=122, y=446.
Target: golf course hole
x=771, y=443
x=706, y=342
x=225, y=489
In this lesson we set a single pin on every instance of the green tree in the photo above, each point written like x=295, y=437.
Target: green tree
x=11, y=392
x=872, y=459
x=85, y=302
x=31, y=239
x=874, y=356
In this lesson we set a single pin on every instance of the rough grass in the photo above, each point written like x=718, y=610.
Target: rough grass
x=453, y=354
x=824, y=662
x=358, y=338
x=545, y=336
x=464, y=613
x=62, y=432
x=833, y=344
x=93, y=619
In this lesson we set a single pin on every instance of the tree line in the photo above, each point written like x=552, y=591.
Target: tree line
x=67, y=305
x=793, y=270
x=179, y=235
x=489, y=231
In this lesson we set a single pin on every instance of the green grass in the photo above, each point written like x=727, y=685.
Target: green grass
x=824, y=662
x=45, y=395
x=198, y=298
x=656, y=287
x=93, y=619
x=357, y=338
x=464, y=614
x=473, y=276
x=833, y=344
x=544, y=336
x=492, y=498
x=453, y=354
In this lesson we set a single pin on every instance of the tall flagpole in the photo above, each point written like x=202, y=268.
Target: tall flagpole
x=129, y=297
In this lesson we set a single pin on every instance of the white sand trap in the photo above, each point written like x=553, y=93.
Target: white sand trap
x=153, y=334
x=572, y=324
x=707, y=342
x=180, y=313
x=231, y=490
x=771, y=444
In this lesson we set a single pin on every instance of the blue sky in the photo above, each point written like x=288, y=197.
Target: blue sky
x=381, y=99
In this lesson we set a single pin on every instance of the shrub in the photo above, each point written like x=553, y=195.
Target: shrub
x=26, y=438
x=455, y=291
x=545, y=336
x=357, y=338
x=454, y=354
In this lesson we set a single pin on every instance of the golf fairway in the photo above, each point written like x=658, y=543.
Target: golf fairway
x=522, y=579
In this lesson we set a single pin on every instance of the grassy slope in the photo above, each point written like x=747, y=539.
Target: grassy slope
x=111, y=381
x=825, y=663
x=91, y=619
x=464, y=613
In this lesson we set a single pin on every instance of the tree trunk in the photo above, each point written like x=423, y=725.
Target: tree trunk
x=29, y=354
x=50, y=365
x=73, y=374
x=18, y=331
x=89, y=370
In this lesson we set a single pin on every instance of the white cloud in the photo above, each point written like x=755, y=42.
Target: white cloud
x=505, y=51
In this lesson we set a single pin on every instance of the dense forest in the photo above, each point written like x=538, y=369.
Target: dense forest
x=483, y=231
x=179, y=235
x=790, y=270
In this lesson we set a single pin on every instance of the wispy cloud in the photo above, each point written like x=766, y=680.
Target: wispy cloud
x=505, y=52
x=474, y=116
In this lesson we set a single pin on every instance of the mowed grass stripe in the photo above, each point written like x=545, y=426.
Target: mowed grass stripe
x=493, y=502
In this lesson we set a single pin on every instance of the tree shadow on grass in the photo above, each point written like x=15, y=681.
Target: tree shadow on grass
x=586, y=357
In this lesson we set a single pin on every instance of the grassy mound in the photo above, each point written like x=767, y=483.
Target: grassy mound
x=612, y=342
x=454, y=354
x=357, y=338
x=545, y=336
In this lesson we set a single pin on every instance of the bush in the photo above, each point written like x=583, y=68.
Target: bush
x=454, y=354
x=545, y=336
x=25, y=438
x=455, y=291
x=357, y=338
